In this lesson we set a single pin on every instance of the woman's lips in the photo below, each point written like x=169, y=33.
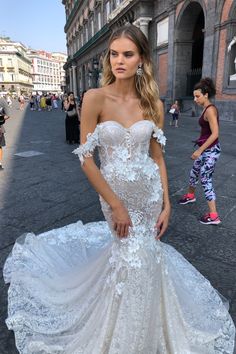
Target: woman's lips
x=120, y=70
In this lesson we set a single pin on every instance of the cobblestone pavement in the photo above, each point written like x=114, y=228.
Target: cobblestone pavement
x=47, y=189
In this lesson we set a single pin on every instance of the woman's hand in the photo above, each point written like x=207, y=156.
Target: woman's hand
x=196, y=154
x=121, y=221
x=162, y=222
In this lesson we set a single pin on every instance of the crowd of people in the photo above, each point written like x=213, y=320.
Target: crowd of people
x=43, y=102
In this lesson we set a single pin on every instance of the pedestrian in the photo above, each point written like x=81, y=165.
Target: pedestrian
x=4, y=115
x=49, y=102
x=9, y=101
x=175, y=110
x=32, y=101
x=54, y=102
x=72, y=120
x=21, y=100
x=113, y=287
x=207, y=153
x=43, y=104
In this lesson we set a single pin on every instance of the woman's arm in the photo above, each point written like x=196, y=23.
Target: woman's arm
x=66, y=104
x=163, y=220
x=161, y=114
x=157, y=155
x=90, y=112
x=211, y=117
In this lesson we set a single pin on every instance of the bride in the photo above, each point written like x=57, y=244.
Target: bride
x=113, y=287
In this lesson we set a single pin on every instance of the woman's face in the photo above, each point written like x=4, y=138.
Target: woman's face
x=124, y=58
x=71, y=96
x=199, y=97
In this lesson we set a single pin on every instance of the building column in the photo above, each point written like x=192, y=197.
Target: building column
x=142, y=23
x=74, y=80
x=71, y=80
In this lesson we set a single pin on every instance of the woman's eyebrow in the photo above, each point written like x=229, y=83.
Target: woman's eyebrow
x=125, y=52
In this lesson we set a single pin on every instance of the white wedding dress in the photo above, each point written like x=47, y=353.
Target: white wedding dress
x=81, y=290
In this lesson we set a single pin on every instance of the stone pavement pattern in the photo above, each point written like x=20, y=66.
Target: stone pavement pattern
x=48, y=190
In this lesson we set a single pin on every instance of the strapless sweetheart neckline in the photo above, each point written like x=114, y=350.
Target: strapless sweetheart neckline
x=122, y=126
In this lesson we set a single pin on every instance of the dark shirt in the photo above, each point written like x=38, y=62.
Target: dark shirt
x=205, y=129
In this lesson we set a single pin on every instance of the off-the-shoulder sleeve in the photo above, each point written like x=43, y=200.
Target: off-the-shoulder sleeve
x=87, y=149
x=159, y=136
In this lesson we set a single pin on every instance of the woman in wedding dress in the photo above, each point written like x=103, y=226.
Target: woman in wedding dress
x=112, y=287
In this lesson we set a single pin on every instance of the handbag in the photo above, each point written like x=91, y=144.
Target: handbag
x=172, y=110
x=72, y=113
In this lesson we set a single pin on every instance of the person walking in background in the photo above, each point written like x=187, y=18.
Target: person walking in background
x=175, y=110
x=54, y=102
x=4, y=115
x=21, y=100
x=31, y=102
x=49, y=102
x=43, y=102
x=9, y=101
x=208, y=151
x=72, y=120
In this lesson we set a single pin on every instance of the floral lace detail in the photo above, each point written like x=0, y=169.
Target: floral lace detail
x=87, y=149
x=160, y=137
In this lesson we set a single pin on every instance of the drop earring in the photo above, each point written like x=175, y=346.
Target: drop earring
x=139, y=71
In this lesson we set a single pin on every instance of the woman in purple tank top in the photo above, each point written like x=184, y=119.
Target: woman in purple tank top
x=207, y=153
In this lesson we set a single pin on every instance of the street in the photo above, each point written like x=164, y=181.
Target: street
x=43, y=187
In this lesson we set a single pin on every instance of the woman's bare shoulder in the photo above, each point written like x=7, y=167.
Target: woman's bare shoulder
x=95, y=94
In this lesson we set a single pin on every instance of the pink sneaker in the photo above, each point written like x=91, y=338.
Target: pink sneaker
x=186, y=199
x=207, y=220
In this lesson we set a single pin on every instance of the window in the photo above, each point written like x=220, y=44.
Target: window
x=82, y=39
x=118, y=2
x=162, y=31
x=9, y=62
x=1, y=62
x=108, y=9
x=99, y=21
x=92, y=28
x=86, y=34
x=1, y=77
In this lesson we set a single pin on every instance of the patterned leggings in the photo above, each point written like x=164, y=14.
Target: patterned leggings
x=205, y=166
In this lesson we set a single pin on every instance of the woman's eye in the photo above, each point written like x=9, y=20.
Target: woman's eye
x=129, y=54
x=113, y=54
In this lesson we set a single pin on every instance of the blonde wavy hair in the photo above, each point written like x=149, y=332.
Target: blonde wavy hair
x=146, y=86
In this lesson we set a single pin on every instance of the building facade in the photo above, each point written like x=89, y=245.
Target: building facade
x=47, y=71
x=15, y=68
x=189, y=39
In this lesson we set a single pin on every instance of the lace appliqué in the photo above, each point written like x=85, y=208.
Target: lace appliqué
x=160, y=137
x=87, y=149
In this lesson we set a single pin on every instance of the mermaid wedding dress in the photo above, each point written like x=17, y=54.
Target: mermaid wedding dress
x=81, y=290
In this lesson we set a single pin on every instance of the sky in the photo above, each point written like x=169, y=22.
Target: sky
x=38, y=24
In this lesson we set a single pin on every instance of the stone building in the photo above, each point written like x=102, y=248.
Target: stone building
x=189, y=39
x=47, y=71
x=15, y=68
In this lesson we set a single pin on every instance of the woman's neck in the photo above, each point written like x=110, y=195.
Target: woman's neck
x=123, y=88
x=206, y=103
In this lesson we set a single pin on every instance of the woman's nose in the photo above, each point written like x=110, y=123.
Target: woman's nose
x=120, y=59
